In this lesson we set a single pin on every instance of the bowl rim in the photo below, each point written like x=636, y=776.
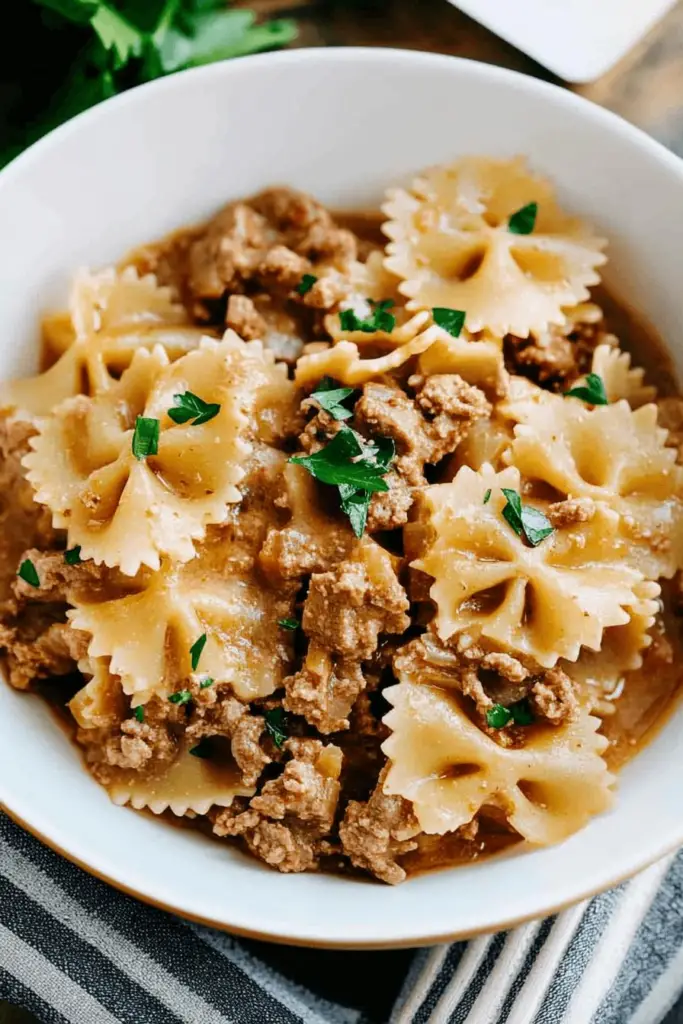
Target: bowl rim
x=562, y=99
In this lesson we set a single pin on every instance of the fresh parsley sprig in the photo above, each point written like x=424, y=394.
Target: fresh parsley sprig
x=276, y=726
x=305, y=284
x=196, y=651
x=379, y=320
x=188, y=406
x=525, y=520
x=290, y=624
x=593, y=391
x=28, y=573
x=356, y=467
x=520, y=713
x=145, y=437
x=73, y=555
x=180, y=697
x=451, y=320
x=329, y=396
x=523, y=221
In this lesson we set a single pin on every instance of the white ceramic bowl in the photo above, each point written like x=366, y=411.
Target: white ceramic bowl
x=343, y=124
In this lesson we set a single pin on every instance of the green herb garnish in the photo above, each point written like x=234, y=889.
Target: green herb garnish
x=487, y=497
x=356, y=467
x=289, y=623
x=139, y=713
x=520, y=713
x=525, y=520
x=80, y=52
x=196, y=651
x=206, y=682
x=379, y=320
x=329, y=397
x=202, y=749
x=524, y=220
x=593, y=391
x=191, y=407
x=305, y=284
x=28, y=573
x=276, y=726
x=73, y=555
x=451, y=320
x=180, y=697
x=145, y=437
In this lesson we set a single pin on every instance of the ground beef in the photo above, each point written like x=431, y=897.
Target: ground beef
x=389, y=509
x=37, y=647
x=560, y=356
x=286, y=824
x=324, y=690
x=134, y=745
x=425, y=427
x=554, y=698
x=571, y=511
x=374, y=834
x=216, y=713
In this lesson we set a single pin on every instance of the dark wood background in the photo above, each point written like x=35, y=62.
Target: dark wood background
x=646, y=87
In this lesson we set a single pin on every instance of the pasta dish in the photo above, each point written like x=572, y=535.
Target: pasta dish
x=353, y=540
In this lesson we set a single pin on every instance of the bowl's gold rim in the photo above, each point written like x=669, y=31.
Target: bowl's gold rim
x=339, y=944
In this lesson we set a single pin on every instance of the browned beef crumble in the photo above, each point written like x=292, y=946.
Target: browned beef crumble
x=559, y=358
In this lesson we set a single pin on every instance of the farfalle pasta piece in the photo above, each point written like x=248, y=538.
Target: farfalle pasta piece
x=546, y=601
x=451, y=245
x=101, y=702
x=148, y=635
x=622, y=647
x=126, y=511
x=112, y=315
x=621, y=380
x=186, y=785
x=449, y=769
x=613, y=455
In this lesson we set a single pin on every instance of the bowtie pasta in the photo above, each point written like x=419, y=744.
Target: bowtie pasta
x=353, y=540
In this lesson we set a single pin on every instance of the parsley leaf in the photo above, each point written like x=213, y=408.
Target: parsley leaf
x=276, y=726
x=203, y=748
x=487, y=497
x=191, y=407
x=346, y=460
x=451, y=320
x=73, y=556
x=28, y=573
x=117, y=35
x=288, y=623
x=524, y=220
x=305, y=284
x=139, y=713
x=356, y=466
x=206, y=682
x=196, y=651
x=593, y=391
x=329, y=397
x=520, y=713
x=145, y=437
x=379, y=320
x=180, y=697
x=525, y=520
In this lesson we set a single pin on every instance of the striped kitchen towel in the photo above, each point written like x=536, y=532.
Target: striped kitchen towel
x=74, y=950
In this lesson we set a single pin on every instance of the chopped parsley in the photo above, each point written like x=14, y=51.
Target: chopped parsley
x=139, y=713
x=276, y=726
x=196, y=651
x=519, y=713
x=145, y=437
x=202, y=749
x=305, y=284
x=451, y=320
x=524, y=220
x=28, y=573
x=487, y=497
x=73, y=555
x=379, y=320
x=180, y=697
x=206, y=682
x=289, y=623
x=525, y=520
x=356, y=467
x=191, y=407
x=593, y=391
x=329, y=397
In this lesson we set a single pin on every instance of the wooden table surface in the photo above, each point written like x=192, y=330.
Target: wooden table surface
x=646, y=87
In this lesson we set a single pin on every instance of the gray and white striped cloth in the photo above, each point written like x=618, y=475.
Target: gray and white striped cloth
x=74, y=950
